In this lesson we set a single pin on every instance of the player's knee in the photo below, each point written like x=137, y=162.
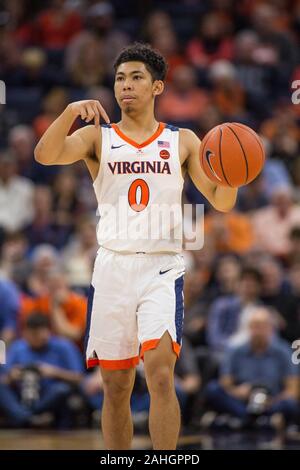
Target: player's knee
x=118, y=385
x=161, y=381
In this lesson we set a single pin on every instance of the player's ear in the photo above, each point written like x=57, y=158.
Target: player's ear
x=158, y=87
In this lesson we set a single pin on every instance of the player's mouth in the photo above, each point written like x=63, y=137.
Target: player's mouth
x=127, y=99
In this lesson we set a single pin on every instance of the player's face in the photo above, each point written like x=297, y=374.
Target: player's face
x=134, y=86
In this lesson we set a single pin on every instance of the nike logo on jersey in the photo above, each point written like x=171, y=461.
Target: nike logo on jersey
x=163, y=272
x=209, y=155
x=117, y=146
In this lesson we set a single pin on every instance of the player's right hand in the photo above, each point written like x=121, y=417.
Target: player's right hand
x=89, y=110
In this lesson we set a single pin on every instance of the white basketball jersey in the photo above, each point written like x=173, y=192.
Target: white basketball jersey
x=138, y=189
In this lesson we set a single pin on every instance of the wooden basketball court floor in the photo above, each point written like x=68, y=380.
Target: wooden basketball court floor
x=77, y=440
x=91, y=439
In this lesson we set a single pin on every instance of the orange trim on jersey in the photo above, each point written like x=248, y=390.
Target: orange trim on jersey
x=152, y=344
x=114, y=364
x=156, y=134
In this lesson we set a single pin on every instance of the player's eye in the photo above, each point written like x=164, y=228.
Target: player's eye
x=137, y=77
x=118, y=79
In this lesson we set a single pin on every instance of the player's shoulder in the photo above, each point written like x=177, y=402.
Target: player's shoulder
x=91, y=132
x=88, y=134
x=189, y=139
x=92, y=137
x=188, y=134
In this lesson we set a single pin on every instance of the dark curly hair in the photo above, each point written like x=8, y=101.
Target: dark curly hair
x=140, y=52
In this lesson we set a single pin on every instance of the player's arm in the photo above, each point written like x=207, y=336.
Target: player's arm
x=57, y=148
x=221, y=198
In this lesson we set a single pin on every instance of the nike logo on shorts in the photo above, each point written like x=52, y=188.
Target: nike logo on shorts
x=163, y=272
x=117, y=146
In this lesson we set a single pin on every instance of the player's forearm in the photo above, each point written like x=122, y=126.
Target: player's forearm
x=52, y=142
x=224, y=198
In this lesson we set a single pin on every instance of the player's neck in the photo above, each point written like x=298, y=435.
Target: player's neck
x=142, y=124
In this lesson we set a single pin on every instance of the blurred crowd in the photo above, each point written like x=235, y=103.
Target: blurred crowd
x=228, y=61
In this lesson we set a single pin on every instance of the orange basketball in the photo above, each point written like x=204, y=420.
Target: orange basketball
x=232, y=154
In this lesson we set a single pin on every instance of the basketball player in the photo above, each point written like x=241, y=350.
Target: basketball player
x=135, y=307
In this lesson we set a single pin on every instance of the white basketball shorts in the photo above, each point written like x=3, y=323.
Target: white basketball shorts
x=133, y=300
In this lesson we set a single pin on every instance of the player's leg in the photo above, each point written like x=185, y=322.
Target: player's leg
x=112, y=342
x=117, y=427
x=160, y=321
x=164, y=419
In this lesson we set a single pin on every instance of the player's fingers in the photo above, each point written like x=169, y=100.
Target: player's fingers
x=97, y=115
x=90, y=112
x=83, y=113
x=103, y=113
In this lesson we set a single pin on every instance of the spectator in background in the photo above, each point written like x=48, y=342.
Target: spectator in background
x=56, y=26
x=282, y=122
x=226, y=313
x=53, y=105
x=253, y=196
x=188, y=380
x=156, y=23
x=14, y=263
x=274, y=283
x=168, y=45
x=272, y=224
x=16, y=195
x=10, y=305
x=44, y=258
x=32, y=70
x=183, y=102
x=227, y=271
x=44, y=228
x=196, y=285
x=295, y=169
x=65, y=309
x=212, y=42
x=21, y=140
x=100, y=28
x=57, y=366
x=254, y=77
x=294, y=251
x=230, y=232
x=196, y=305
x=227, y=92
x=79, y=255
x=89, y=68
x=41, y=228
x=282, y=132
x=66, y=204
x=294, y=278
x=210, y=119
x=262, y=363
x=159, y=31
x=277, y=293
x=10, y=51
x=274, y=43
x=291, y=311
x=274, y=173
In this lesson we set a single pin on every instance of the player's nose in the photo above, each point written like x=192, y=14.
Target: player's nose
x=127, y=85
